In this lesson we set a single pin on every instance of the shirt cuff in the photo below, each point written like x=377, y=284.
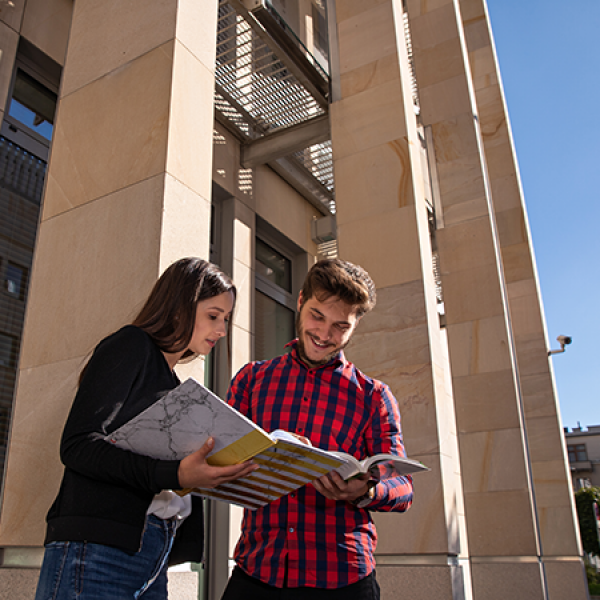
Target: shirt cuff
x=367, y=497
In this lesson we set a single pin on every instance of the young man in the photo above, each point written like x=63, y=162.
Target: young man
x=318, y=542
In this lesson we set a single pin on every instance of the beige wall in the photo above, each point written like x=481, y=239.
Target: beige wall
x=11, y=14
x=9, y=39
x=491, y=296
x=498, y=503
x=544, y=428
x=46, y=25
x=128, y=191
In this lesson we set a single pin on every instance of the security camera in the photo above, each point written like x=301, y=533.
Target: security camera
x=563, y=340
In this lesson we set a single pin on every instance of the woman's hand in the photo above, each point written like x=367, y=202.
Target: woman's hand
x=194, y=471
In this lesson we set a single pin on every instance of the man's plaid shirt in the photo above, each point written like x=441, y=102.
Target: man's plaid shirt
x=321, y=543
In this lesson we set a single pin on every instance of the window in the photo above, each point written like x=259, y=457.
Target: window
x=33, y=104
x=320, y=36
x=9, y=347
x=31, y=107
x=16, y=280
x=272, y=265
x=577, y=453
x=274, y=325
x=274, y=301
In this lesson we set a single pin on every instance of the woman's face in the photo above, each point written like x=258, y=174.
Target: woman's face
x=212, y=318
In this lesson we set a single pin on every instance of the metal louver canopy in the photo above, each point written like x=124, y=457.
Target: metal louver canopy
x=254, y=71
x=275, y=100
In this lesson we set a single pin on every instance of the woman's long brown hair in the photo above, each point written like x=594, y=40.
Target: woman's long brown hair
x=169, y=314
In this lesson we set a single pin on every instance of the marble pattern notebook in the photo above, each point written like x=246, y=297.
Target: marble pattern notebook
x=181, y=421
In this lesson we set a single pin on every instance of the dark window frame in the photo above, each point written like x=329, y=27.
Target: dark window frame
x=577, y=453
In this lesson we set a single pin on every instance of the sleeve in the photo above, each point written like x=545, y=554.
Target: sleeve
x=385, y=436
x=238, y=394
x=116, y=369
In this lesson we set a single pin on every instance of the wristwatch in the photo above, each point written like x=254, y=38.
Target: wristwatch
x=367, y=497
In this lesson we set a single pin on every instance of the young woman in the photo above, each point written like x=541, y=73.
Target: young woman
x=115, y=519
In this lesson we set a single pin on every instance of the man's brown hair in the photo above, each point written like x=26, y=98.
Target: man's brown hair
x=344, y=280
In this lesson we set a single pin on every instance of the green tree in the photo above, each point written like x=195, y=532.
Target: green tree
x=585, y=499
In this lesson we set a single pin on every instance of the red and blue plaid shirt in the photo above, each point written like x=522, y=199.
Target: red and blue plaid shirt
x=304, y=539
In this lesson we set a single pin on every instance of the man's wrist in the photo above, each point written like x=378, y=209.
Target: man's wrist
x=367, y=497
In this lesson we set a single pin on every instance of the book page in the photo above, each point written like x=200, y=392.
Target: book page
x=281, y=434
x=389, y=465
x=351, y=466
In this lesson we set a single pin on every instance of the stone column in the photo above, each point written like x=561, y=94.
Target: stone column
x=502, y=520
x=10, y=20
x=127, y=192
x=561, y=551
x=237, y=250
x=382, y=224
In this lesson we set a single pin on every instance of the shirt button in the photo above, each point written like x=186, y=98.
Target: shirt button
x=293, y=494
x=291, y=530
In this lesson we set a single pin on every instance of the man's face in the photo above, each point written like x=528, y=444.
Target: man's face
x=323, y=328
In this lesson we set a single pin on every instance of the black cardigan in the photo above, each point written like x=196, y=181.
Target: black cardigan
x=105, y=491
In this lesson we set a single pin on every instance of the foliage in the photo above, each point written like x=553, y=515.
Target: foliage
x=584, y=501
x=593, y=576
x=594, y=589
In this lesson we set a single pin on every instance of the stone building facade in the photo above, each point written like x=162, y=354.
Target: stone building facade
x=262, y=135
x=583, y=451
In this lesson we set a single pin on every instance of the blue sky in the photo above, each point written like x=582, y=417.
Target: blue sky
x=549, y=58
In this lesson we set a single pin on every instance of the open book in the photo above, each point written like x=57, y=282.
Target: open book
x=179, y=423
x=390, y=464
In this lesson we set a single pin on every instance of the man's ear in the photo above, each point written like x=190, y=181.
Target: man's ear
x=300, y=301
x=356, y=323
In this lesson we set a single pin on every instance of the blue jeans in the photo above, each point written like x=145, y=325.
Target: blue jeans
x=85, y=571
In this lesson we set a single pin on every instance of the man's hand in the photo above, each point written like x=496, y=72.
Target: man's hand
x=194, y=471
x=332, y=486
x=301, y=438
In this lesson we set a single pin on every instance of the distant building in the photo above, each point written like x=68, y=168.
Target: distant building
x=583, y=448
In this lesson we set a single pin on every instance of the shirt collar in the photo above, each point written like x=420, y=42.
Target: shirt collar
x=337, y=360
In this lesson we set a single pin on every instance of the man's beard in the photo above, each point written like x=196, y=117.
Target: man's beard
x=311, y=364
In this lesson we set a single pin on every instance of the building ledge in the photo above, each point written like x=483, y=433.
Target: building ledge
x=584, y=465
